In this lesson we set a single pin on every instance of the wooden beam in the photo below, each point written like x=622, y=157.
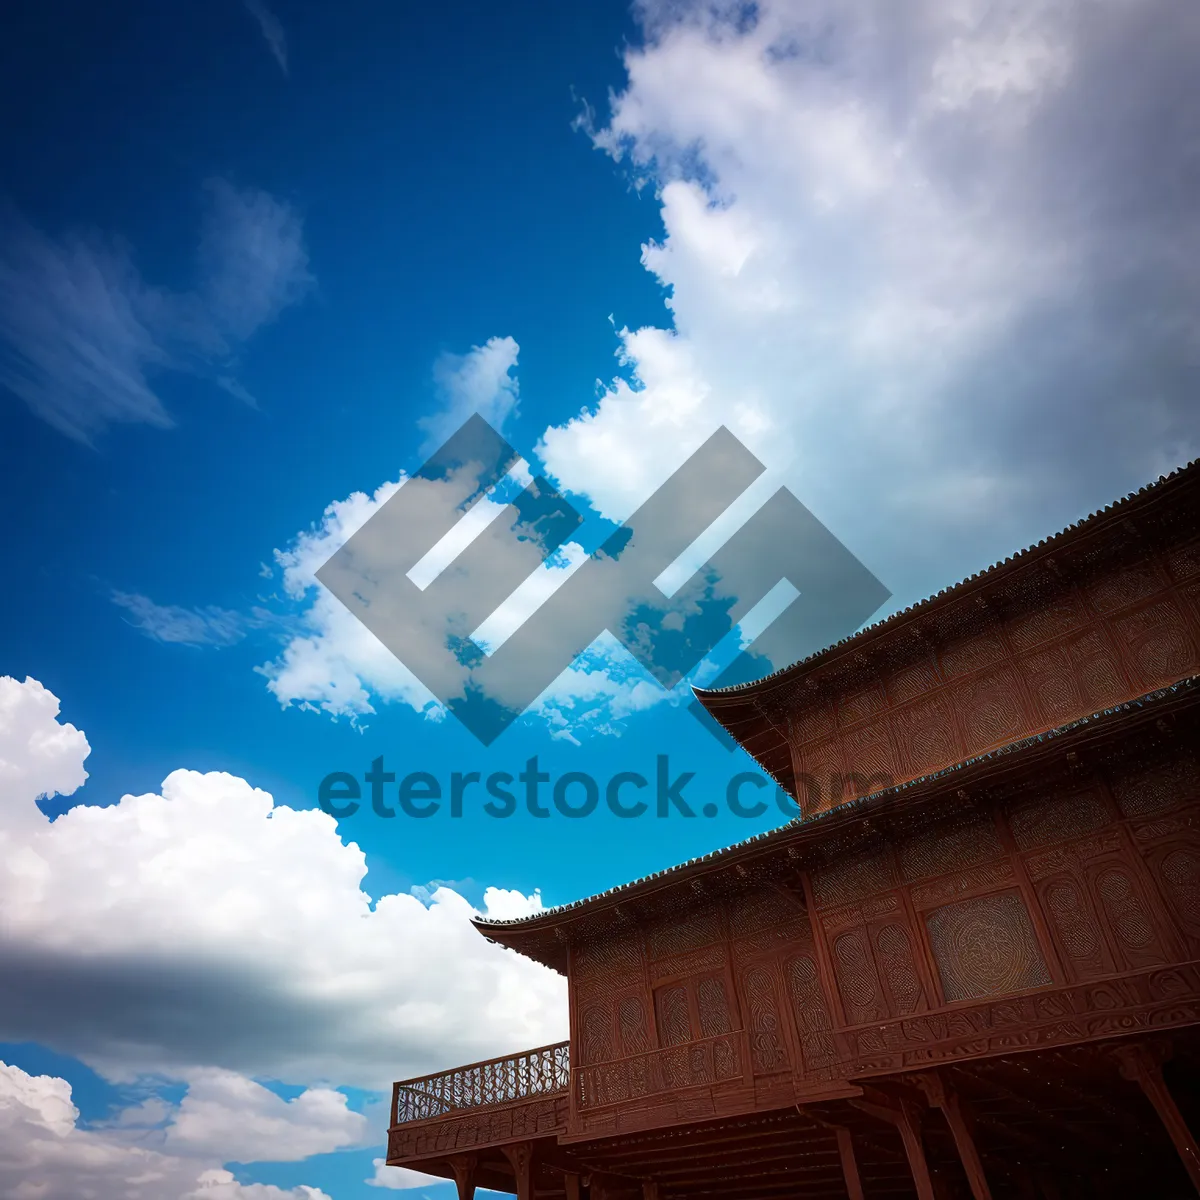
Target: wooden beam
x=845, y=1145
x=520, y=1158
x=1142, y=1064
x=958, y=1116
x=463, y=1166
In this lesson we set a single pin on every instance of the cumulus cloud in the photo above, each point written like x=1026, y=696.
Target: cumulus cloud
x=205, y=928
x=480, y=381
x=928, y=261
x=44, y=1155
x=84, y=336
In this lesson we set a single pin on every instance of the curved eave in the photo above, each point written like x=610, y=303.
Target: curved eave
x=546, y=936
x=737, y=710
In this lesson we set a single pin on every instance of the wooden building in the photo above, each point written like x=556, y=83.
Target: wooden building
x=975, y=974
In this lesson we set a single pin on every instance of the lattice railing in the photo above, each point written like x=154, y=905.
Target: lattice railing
x=524, y=1076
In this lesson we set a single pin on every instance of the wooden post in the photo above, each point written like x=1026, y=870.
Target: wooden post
x=941, y=1095
x=463, y=1166
x=572, y=1186
x=904, y=1115
x=1142, y=1064
x=649, y=1189
x=520, y=1158
x=845, y=1145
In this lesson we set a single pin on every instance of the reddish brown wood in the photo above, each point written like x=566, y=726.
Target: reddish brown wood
x=572, y=1186
x=961, y=1122
x=463, y=1166
x=845, y=1144
x=906, y=1118
x=1143, y=1065
x=520, y=1158
x=991, y=928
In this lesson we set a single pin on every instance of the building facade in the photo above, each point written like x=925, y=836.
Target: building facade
x=974, y=972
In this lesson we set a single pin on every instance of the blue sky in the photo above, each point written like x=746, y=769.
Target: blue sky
x=254, y=262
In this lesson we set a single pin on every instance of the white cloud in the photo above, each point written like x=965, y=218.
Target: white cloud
x=480, y=381
x=399, y=1179
x=925, y=260
x=45, y=1156
x=83, y=334
x=207, y=928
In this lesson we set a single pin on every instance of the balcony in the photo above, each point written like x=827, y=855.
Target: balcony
x=530, y=1075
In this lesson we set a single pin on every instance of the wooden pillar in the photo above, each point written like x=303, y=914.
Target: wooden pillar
x=649, y=1189
x=520, y=1158
x=1142, y=1064
x=906, y=1117
x=573, y=1186
x=463, y=1166
x=941, y=1095
x=845, y=1145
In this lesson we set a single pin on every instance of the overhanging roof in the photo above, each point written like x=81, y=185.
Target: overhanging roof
x=545, y=936
x=739, y=709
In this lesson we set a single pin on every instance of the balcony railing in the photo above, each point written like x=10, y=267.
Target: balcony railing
x=524, y=1076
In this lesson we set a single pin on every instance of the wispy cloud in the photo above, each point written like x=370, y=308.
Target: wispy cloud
x=83, y=334
x=207, y=626
x=272, y=30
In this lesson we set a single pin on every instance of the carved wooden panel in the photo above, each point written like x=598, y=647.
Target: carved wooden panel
x=1075, y=927
x=853, y=878
x=595, y=1032
x=1159, y=787
x=986, y=947
x=894, y=955
x=712, y=1005
x=766, y=1036
x=810, y=1011
x=1157, y=643
x=631, y=1021
x=1127, y=916
x=674, y=1015
x=1044, y=820
x=857, y=980
x=949, y=845
x=1179, y=870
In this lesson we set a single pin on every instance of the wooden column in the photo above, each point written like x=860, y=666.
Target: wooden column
x=941, y=1095
x=463, y=1166
x=845, y=1145
x=906, y=1117
x=1142, y=1064
x=573, y=1186
x=520, y=1157
x=649, y=1189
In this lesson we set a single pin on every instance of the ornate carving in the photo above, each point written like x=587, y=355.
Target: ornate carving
x=1075, y=925
x=1127, y=916
x=595, y=1041
x=986, y=947
x=631, y=1019
x=680, y=933
x=857, y=981
x=854, y=878
x=895, y=958
x=674, y=1019
x=1042, y=821
x=925, y=734
x=811, y=1012
x=1073, y=857
x=1180, y=872
x=1151, y=790
x=1159, y=646
x=950, y=845
x=766, y=1048
x=990, y=710
x=926, y=895
x=713, y=1006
